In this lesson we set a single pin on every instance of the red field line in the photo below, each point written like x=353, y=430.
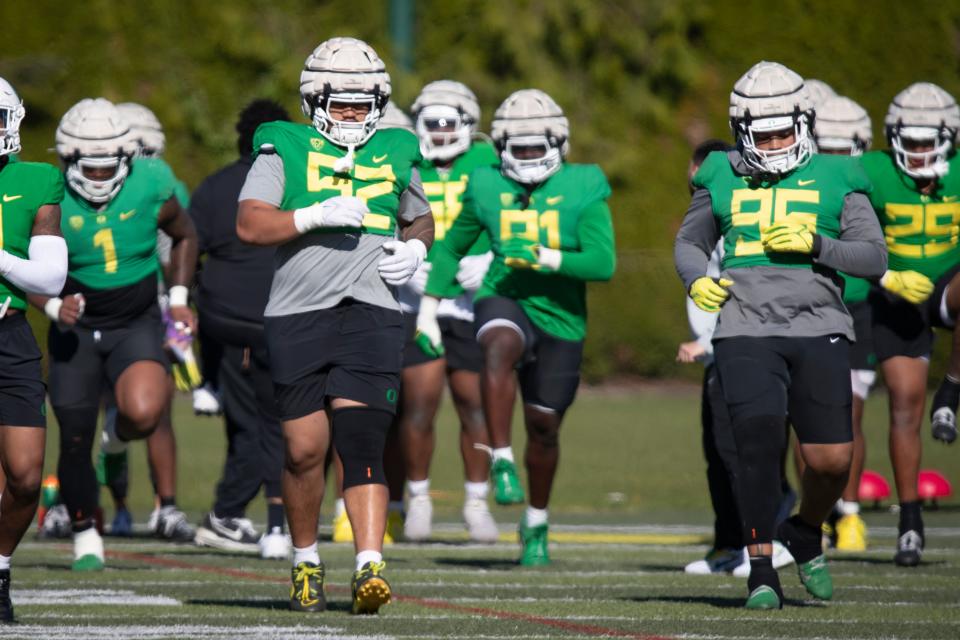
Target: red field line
x=429, y=603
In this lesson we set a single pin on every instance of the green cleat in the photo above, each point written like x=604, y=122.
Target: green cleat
x=306, y=592
x=370, y=589
x=763, y=597
x=506, y=484
x=815, y=576
x=110, y=466
x=534, y=543
x=88, y=562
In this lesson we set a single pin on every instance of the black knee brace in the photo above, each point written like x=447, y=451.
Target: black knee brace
x=359, y=434
x=760, y=442
x=78, y=480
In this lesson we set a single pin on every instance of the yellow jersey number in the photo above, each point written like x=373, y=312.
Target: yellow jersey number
x=766, y=207
x=344, y=184
x=104, y=239
x=937, y=221
x=529, y=223
x=445, y=203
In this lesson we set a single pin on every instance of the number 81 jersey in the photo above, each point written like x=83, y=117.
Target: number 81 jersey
x=812, y=195
x=921, y=230
x=116, y=245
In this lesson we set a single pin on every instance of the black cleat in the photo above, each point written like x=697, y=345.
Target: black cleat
x=306, y=592
x=6, y=607
x=909, y=549
x=943, y=411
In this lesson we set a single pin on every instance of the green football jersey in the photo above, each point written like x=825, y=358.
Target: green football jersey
x=381, y=172
x=567, y=212
x=811, y=195
x=24, y=188
x=854, y=289
x=445, y=188
x=116, y=245
x=921, y=230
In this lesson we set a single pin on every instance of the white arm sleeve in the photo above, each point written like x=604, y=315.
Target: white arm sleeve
x=46, y=270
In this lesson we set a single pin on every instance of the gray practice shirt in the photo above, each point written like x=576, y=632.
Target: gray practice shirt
x=782, y=301
x=319, y=270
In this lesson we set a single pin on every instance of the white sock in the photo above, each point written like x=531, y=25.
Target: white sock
x=535, y=517
x=87, y=542
x=339, y=508
x=850, y=508
x=368, y=556
x=476, y=490
x=395, y=506
x=503, y=453
x=4, y=562
x=306, y=554
x=418, y=487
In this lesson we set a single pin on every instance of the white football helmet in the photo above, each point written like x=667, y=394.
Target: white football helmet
x=842, y=126
x=344, y=70
x=394, y=118
x=923, y=112
x=527, y=120
x=768, y=98
x=447, y=115
x=93, y=135
x=11, y=114
x=145, y=128
x=819, y=91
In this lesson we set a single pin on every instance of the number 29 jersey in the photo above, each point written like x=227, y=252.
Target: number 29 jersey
x=921, y=231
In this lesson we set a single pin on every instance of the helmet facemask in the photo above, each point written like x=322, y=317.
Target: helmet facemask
x=444, y=132
x=775, y=161
x=530, y=159
x=10, y=118
x=346, y=133
x=930, y=164
x=97, y=191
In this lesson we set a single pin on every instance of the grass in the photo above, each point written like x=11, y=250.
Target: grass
x=630, y=509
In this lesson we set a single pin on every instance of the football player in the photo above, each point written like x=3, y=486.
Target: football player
x=106, y=322
x=550, y=232
x=916, y=195
x=33, y=260
x=166, y=521
x=447, y=115
x=334, y=196
x=843, y=128
x=789, y=219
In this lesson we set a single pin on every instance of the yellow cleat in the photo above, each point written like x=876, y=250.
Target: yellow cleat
x=342, y=530
x=851, y=533
x=394, y=530
x=370, y=589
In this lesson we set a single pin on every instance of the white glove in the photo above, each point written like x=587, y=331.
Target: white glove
x=418, y=281
x=339, y=211
x=401, y=261
x=428, y=329
x=206, y=401
x=472, y=269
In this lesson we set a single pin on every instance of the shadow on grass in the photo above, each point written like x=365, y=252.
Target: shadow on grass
x=714, y=601
x=839, y=560
x=491, y=564
x=264, y=605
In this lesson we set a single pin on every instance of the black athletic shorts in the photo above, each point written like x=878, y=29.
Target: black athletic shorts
x=805, y=378
x=82, y=358
x=23, y=395
x=904, y=329
x=350, y=351
x=462, y=352
x=549, y=373
x=862, y=356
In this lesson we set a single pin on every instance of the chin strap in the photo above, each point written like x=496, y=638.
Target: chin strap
x=344, y=164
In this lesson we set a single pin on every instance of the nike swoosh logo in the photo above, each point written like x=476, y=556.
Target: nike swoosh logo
x=126, y=215
x=7, y=198
x=554, y=200
x=380, y=158
x=834, y=340
x=803, y=183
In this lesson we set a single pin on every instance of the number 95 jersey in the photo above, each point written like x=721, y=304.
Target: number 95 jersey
x=920, y=230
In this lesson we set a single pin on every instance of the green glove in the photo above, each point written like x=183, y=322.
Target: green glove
x=521, y=253
x=709, y=294
x=428, y=329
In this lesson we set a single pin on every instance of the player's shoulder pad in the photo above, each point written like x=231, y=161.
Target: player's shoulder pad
x=484, y=153
x=711, y=165
x=156, y=173
x=846, y=168
x=485, y=177
x=874, y=162
x=589, y=179
x=400, y=143
x=40, y=173
x=269, y=134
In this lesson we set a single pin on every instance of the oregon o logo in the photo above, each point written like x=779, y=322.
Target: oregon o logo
x=391, y=395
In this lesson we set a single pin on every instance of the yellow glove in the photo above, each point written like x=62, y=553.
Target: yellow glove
x=787, y=237
x=709, y=294
x=910, y=285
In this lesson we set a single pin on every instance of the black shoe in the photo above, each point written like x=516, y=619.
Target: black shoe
x=230, y=534
x=306, y=592
x=943, y=412
x=909, y=549
x=6, y=607
x=172, y=525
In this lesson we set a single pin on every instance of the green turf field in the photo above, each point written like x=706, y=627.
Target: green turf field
x=630, y=509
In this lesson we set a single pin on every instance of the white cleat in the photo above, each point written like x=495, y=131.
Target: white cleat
x=781, y=558
x=717, y=561
x=481, y=527
x=275, y=545
x=419, y=521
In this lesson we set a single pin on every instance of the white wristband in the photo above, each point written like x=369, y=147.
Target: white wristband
x=52, y=308
x=549, y=258
x=179, y=295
